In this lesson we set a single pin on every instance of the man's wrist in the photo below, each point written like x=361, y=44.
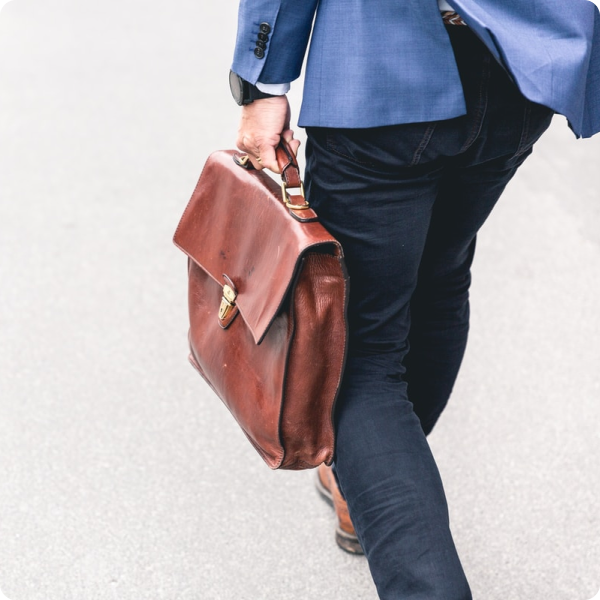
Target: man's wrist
x=244, y=92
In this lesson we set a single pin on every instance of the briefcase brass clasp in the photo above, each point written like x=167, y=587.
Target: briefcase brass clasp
x=227, y=302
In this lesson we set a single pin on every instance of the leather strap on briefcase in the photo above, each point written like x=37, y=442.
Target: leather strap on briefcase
x=267, y=303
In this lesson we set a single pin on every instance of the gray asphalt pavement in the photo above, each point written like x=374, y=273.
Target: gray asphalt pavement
x=121, y=475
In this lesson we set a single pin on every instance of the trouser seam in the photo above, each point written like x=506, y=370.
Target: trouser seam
x=482, y=102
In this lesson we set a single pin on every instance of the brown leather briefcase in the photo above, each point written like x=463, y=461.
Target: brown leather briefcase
x=267, y=302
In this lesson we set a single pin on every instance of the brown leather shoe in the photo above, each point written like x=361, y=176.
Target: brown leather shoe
x=345, y=536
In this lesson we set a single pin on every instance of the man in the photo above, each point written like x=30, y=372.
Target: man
x=417, y=117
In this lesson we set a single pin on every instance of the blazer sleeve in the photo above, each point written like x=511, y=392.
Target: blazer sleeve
x=286, y=25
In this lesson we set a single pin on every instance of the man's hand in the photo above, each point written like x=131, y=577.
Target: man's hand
x=262, y=124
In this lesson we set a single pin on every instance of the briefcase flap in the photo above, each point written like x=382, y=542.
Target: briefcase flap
x=236, y=226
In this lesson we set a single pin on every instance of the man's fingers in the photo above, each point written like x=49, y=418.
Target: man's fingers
x=268, y=159
x=294, y=145
x=261, y=158
x=288, y=136
x=257, y=164
x=250, y=147
x=264, y=157
x=250, y=144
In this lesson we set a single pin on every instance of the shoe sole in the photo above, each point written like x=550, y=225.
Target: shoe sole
x=347, y=542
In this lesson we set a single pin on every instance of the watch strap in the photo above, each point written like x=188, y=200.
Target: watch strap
x=252, y=93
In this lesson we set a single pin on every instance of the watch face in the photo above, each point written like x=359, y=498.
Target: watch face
x=237, y=87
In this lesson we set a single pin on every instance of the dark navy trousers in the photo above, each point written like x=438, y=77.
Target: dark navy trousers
x=406, y=203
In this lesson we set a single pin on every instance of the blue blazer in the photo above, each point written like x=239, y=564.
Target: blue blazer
x=384, y=62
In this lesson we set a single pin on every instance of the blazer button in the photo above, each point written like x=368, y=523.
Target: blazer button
x=263, y=37
x=259, y=53
x=265, y=28
x=260, y=44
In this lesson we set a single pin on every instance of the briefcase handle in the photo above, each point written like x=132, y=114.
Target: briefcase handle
x=290, y=179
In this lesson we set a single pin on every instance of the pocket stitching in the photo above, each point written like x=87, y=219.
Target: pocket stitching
x=424, y=143
x=332, y=148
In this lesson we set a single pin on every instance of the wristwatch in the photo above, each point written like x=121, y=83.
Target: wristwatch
x=243, y=91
